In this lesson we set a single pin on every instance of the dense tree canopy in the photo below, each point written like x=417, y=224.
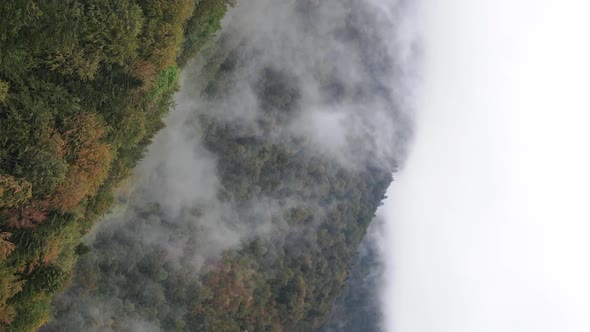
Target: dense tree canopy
x=83, y=88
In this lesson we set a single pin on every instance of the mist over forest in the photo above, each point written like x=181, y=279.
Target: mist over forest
x=247, y=211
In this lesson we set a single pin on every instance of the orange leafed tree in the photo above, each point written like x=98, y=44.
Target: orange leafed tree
x=28, y=215
x=88, y=159
x=6, y=247
x=22, y=212
x=13, y=191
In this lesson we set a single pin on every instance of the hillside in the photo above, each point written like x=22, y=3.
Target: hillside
x=83, y=89
x=248, y=200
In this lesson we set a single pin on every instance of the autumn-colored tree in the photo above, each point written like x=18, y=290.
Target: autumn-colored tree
x=22, y=212
x=164, y=35
x=28, y=215
x=88, y=161
x=6, y=315
x=146, y=72
x=14, y=191
x=6, y=247
x=3, y=91
x=9, y=286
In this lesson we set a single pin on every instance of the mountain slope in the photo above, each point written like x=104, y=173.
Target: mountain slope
x=248, y=209
x=83, y=88
x=305, y=215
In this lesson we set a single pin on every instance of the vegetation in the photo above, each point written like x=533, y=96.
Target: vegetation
x=287, y=281
x=84, y=86
x=83, y=89
x=357, y=308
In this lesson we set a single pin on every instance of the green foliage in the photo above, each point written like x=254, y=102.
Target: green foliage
x=201, y=26
x=83, y=89
x=43, y=169
x=162, y=35
x=166, y=82
x=4, y=88
x=13, y=191
x=82, y=249
x=30, y=313
x=287, y=281
x=10, y=284
x=84, y=86
x=357, y=308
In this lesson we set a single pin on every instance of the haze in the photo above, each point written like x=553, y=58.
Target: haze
x=488, y=221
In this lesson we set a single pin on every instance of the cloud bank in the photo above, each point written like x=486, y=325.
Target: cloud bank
x=488, y=220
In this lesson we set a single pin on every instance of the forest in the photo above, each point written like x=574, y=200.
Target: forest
x=84, y=86
x=160, y=174
x=356, y=308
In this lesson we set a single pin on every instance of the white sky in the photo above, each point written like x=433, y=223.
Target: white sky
x=489, y=222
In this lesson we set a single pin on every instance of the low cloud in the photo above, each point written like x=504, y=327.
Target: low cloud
x=336, y=70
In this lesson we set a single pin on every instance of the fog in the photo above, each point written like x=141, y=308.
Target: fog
x=338, y=72
x=487, y=224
